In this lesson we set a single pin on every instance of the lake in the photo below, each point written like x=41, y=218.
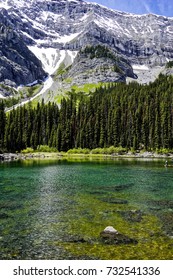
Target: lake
x=56, y=209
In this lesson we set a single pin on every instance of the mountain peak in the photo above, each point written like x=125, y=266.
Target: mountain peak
x=55, y=30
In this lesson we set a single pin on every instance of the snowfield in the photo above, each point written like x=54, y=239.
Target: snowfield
x=2, y=97
x=140, y=67
x=52, y=58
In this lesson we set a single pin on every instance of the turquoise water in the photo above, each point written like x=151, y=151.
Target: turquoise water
x=57, y=209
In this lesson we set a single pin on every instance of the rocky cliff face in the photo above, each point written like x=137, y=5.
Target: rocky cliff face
x=18, y=65
x=50, y=26
x=95, y=64
x=73, y=24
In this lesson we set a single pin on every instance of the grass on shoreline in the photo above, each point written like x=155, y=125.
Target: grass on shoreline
x=44, y=151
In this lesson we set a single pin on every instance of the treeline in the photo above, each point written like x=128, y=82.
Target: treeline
x=99, y=51
x=131, y=116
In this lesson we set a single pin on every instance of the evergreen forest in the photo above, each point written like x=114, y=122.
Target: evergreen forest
x=120, y=115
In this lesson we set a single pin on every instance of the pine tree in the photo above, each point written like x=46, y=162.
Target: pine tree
x=2, y=125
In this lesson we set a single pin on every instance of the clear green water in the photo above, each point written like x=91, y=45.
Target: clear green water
x=57, y=209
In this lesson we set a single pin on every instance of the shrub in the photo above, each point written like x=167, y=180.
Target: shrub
x=97, y=151
x=78, y=151
x=27, y=150
x=109, y=151
x=163, y=151
x=46, y=149
x=169, y=64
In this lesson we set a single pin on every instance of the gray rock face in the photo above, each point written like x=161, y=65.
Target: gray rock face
x=18, y=65
x=145, y=39
x=97, y=64
x=73, y=24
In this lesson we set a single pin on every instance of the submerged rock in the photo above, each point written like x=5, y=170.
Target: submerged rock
x=112, y=237
x=167, y=222
x=109, y=230
x=75, y=239
x=114, y=200
x=162, y=204
x=132, y=216
x=123, y=187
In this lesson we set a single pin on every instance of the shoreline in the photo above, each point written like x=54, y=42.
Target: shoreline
x=65, y=155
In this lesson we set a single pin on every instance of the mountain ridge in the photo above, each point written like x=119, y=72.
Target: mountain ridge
x=51, y=27
x=14, y=68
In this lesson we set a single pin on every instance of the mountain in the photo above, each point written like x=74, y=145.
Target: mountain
x=18, y=65
x=57, y=32
x=159, y=7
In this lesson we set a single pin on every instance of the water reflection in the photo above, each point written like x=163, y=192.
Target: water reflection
x=42, y=205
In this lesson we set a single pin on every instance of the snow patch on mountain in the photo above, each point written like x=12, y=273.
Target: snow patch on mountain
x=66, y=38
x=57, y=39
x=47, y=56
x=72, y=54
x=1, y=96
x=150, y=29
x=169, y=29
x=51, y=58
x=136, y=31
x=140, y=67
x=4, y=5
x=107, y=23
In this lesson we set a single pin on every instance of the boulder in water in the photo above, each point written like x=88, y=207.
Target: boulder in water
x=111, y=236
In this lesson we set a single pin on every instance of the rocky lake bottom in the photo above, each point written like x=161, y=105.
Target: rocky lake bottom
x=57, y=209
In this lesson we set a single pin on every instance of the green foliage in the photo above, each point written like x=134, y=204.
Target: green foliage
x=27, y=150
x=33, y=90
x=62, y=70
x=99, y=51
x=46, y=149
x=100, y=151
x=78, y=151
x=2, y=126
x=169, y=64
x=90, y=89
x=68, y=80
x=109, y=151
x=111, y=120
x=164, y=151
x=117, y=69
x=16, y=97
x=11, y=101
x=10, y=90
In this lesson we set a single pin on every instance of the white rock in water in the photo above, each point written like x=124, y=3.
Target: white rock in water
x=110, y=229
